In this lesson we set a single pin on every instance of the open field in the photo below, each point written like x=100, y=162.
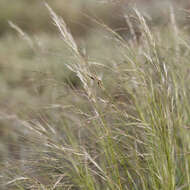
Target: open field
x=108, y=111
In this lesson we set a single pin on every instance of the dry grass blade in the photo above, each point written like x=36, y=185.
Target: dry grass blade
x=61, y=25
x=58, y=181
x=22, y=34
x=16, y=179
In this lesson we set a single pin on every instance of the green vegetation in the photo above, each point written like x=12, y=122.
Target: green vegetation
x=106, y=114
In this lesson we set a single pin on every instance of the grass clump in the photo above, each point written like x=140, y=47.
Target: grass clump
x=124, y=127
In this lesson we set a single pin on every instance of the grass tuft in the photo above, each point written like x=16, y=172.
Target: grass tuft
x=111, y=118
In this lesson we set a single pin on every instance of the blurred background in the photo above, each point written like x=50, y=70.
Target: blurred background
x=33, y=75
x=33, y=17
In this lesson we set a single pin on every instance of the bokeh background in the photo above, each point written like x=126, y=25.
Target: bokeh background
x=33, y=17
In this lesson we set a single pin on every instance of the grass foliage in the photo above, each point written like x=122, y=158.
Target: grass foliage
x=113, y=115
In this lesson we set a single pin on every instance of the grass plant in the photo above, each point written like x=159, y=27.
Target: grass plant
x=112, y=118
